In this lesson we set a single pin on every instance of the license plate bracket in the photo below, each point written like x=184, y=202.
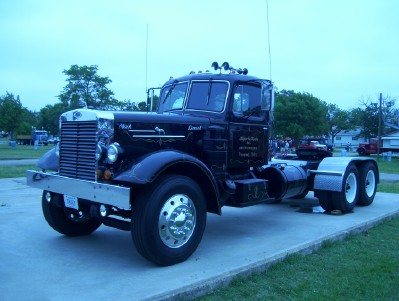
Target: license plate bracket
x=71, y=201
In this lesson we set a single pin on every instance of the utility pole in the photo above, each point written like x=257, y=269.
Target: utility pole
x=379, y=128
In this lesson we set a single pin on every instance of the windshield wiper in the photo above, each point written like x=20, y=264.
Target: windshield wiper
x=209, y=91
x=170, y=91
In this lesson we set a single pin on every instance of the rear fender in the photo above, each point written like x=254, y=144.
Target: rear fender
x=330, y=173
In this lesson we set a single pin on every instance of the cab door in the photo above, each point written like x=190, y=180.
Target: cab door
x=249, y=125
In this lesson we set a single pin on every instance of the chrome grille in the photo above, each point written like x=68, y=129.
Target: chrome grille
x=78, y=149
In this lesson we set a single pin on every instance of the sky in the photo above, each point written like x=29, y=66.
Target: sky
x=342, y=51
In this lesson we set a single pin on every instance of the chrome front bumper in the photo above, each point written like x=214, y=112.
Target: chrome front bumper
x=113, y=195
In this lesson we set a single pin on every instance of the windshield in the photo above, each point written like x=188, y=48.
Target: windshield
x=208, y=96
x=172, y=97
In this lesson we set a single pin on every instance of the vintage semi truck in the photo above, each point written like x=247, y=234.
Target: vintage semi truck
x=40, y=136
x=158, y=174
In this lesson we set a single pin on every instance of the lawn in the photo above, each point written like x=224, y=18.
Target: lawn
x=22, y=151
x=362, y=267
x=388, y=166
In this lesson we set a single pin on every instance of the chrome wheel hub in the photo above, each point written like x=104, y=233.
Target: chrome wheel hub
x=350, y=188
x=177, y=221
x=370, y=183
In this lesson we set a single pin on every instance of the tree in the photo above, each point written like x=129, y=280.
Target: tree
x=338, y=120
x=86, y=86
x=299, y=114
x=367, y=118
x=11, y=113
x=28, y=121
x=49, y=117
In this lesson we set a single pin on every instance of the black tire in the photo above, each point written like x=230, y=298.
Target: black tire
x=275, y=201
x=367, y=184
x=155, y=217
x=346, y=199
x=67, y=221
x=301, y=196
x=325, y=200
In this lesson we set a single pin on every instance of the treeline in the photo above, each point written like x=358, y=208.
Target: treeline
x=295, y=114
x=299, y=114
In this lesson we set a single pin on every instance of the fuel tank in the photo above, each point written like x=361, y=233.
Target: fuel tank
x=285, y=181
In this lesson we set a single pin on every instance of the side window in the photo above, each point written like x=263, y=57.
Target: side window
x=208, y=96
x=247, y=100
x=172, y=97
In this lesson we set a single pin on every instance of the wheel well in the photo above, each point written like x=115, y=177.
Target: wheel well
x=203, y=179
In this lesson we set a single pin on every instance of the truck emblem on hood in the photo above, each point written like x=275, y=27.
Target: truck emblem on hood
x=76, y=115
x=125, y=126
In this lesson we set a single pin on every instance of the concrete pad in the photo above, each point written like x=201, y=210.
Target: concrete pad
x=37, y=263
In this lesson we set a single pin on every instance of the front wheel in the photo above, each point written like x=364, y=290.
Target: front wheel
x=346, y=199
x=168, y=220
x=69, y=222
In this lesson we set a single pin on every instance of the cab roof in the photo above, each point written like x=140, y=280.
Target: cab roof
x=206, y=76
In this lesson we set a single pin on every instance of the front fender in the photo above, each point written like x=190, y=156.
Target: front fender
x=49, y=161
x=148, y=168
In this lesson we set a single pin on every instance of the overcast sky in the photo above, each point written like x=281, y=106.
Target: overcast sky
x=339, y=51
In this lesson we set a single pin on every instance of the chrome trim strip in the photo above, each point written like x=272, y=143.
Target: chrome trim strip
x=143, y=131
x=326, y=172
x=113, y=195
x=158, y=136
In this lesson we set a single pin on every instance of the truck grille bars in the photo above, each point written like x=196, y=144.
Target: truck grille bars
x=78, y=149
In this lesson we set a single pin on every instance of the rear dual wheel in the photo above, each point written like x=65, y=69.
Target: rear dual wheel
x=358, y=188
x=325, y=200
x=346, y=199
x=367, y=184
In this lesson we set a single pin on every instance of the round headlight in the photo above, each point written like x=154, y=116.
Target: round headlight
x=112, y=153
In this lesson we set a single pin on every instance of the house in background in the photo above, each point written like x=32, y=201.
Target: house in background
x=351, y=137
x=391, y=140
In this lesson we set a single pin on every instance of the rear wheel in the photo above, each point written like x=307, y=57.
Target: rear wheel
x=367, y=184
x=346, y=199
x=168, y=220
x=67, y=221
x=301, y=196
x=325, y=200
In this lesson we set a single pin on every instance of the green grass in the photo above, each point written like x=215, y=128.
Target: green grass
x=391, y=187
x=15, y=171
x=362, y=267
x=22, y=151
x=388, y=167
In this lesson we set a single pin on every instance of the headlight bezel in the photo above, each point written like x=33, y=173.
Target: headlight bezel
x=100, y=151
x=113, y=152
